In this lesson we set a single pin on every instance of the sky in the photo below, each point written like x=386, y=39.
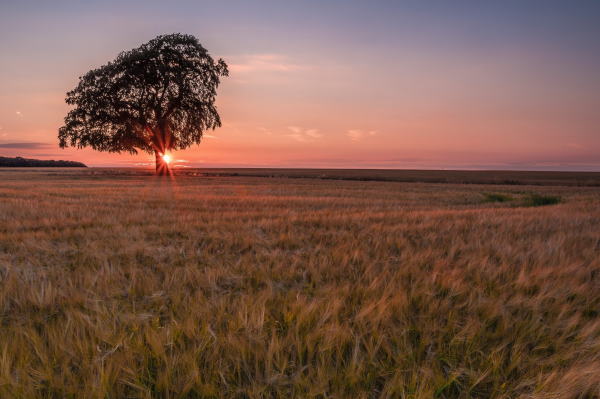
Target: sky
x=332, y=83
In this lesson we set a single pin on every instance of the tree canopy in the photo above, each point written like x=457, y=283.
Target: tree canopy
x=154, y=98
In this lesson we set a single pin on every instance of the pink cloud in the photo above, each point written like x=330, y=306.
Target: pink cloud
x=263, y=63
x=356, y=135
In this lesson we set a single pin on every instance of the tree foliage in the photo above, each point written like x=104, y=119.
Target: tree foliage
x=157, y=97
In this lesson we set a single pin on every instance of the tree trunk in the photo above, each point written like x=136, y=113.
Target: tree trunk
x=162, y=168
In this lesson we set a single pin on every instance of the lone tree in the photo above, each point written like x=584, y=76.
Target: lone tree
x=155, y=98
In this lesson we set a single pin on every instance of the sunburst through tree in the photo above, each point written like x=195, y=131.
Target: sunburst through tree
x=156, y=98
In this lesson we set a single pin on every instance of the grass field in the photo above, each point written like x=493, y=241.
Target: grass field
x=585, y=179
x=117, y=285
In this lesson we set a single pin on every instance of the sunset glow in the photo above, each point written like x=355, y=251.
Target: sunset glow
x=284, y=198
x=456, y=85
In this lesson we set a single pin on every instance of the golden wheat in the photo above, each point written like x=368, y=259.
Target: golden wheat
x=242, y=287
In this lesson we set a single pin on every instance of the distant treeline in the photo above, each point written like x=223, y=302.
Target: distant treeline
x=33, y=163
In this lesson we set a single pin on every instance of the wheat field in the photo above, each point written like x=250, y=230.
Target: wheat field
x=127, y=286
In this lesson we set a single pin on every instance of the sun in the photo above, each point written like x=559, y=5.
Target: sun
x=167, y=158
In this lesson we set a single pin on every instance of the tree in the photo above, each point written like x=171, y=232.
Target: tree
x=155, y=98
